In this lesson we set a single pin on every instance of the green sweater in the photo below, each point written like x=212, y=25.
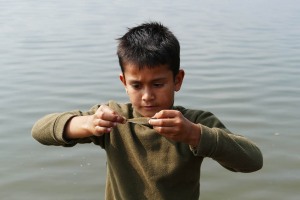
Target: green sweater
x=142, y=164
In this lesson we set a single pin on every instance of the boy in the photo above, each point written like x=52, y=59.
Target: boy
x=160, y=160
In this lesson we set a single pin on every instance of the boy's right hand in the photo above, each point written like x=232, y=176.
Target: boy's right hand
x=97, y=124
x=103, y=120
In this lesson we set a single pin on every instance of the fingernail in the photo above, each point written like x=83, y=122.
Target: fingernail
x=151, y=120
x=120, y=118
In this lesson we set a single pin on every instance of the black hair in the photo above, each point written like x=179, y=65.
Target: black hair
x=149, y=45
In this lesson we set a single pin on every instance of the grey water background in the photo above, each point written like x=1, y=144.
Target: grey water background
x=241, y=60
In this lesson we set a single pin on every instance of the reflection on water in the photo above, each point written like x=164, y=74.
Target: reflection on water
x=241, y=61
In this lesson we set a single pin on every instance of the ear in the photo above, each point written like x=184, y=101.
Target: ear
x=122, y=79
x=179, y=79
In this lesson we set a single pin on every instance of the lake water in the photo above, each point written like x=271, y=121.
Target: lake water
x=241, y=60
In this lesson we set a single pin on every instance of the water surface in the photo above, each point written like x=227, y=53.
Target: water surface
x=241, y=60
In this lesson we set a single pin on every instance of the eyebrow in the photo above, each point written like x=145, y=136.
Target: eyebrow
x=154, y=80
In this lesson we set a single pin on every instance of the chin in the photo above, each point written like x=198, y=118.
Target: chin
x=148, y=113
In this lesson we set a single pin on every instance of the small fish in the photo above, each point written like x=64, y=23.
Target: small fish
x=139, y=120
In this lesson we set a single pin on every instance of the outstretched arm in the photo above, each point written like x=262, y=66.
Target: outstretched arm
x=69, y=128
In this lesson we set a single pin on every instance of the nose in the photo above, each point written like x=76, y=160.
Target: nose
x=148, y=95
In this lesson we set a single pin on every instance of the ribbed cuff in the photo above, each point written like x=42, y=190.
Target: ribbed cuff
x=207, y=141
x=59, y=128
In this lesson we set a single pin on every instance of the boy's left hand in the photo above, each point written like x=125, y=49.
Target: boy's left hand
x=173, y=125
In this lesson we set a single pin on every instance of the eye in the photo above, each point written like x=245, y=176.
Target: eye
x=158, y=85
x=136, y=86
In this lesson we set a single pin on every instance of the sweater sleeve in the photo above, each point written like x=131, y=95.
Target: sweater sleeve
x=232, y=151
x=49, y=130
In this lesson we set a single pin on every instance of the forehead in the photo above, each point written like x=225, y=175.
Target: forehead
x=133, y=72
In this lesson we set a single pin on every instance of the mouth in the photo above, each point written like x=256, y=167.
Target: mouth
x=152, y=107
x=149, y=110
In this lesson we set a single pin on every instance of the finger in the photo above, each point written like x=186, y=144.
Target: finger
x=106, y=109
x=104, y=123
x=99, y=131
x=165, y=130
x=164, y=122
x=107, y=114
x=167, y=114
x=169, y=133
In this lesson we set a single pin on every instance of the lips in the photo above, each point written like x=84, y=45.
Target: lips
x=150, y=107
x=148, y=110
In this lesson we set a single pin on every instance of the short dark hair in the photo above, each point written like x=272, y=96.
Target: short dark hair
x=149, y=45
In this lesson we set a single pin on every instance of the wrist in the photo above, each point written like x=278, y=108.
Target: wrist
x=195, y=145
x=78, y=127
x=86, y=125
x=195, y=136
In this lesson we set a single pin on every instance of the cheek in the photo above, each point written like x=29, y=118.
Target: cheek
x=166, y=96
x=133, y=95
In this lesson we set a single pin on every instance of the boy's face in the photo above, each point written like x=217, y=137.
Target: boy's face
x=151, y=90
